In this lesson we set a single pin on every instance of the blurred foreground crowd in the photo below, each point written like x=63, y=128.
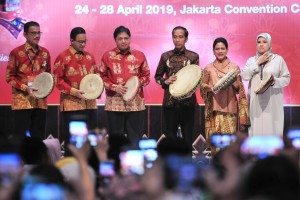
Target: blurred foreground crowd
x=36, y=169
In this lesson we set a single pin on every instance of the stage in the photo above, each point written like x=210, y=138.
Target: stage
x=154, y=120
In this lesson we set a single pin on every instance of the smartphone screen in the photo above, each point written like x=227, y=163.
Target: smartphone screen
x=262, y=146
x=132, y=162
x=78, y=131
x=294, y=136
x=42, y=191
x=106, y=169
x=147, y=144
x=9, y=163
x=93, y=138
x=180, y=173
x=222, y=140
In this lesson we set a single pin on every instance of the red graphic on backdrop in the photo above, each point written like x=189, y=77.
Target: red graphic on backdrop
x=9, y=12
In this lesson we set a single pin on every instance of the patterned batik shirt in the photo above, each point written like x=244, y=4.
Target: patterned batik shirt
x=170, y=63
x=70, y=67
x=25, y=61
x=116, y=68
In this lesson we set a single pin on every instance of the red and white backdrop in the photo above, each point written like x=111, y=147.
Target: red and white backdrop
x=151, y=23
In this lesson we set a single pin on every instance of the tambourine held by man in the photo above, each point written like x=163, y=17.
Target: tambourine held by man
x=132, y=85
x=44, y=83
x=92, y=86
x=264, y=84
x=227, y=80
x=188, y=80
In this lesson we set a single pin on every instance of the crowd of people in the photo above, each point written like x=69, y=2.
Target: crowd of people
x=172, y=175
x=229, y=110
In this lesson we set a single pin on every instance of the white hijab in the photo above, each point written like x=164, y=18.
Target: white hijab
x=267, y=36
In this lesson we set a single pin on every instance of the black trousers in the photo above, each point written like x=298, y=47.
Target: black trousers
x=32, y=120
x=88, y=115
x=183, y=116
x=130, y=123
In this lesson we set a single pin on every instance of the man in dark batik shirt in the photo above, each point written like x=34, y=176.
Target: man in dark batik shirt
x=177, y=112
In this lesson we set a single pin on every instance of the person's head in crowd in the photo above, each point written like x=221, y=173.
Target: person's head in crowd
x=70, y=169
x=173, y=146
x=54, y=149
x=44, y=182
x=33, y=151
x=180, y=37
x=78, y=39
x=32, y=33
x=122, y=38
x=275, y=177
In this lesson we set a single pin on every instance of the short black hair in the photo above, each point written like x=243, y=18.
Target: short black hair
x=222, y=40
x=29, y=24
x=121, y=29
x=34, y=151
x=75, y=31
x=186, y=33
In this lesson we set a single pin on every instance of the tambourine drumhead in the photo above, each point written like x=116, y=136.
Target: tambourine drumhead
x=44, y=82
x=228, y=79
x=132, y=85
x=264, y=84
x=92, y=86
x=187, y=79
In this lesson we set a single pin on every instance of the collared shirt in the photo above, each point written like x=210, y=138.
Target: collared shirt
x=116, y=68
x=69, y=69
x=170, y=63
x=19, y=68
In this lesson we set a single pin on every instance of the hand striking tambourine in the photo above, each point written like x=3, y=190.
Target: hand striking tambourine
x=227, y=80
x=188, y=80
x=44, y=83
x=92, y=86
x=264, y=84
x=132, y=85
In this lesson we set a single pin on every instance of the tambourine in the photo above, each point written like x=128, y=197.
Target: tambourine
x=188, y=80
x=44, y=83
x=264, y=84
x=132, y=85
x=227, y=80
x=92, y=86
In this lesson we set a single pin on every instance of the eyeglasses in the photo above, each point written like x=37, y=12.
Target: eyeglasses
x=35, y=33
x=82, y=41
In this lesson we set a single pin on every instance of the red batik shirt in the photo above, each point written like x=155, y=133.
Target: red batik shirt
x=69, y=69
x=19, y=68
x=116, y=68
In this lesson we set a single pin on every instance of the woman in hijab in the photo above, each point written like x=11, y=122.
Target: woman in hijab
x=226, y=110
x=266, y=109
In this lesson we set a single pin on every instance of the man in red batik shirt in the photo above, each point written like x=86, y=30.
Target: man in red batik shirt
x=117, y=66
x=26, y=62
x=70, y=67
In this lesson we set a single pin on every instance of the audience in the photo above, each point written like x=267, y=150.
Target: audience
x=174, y=175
